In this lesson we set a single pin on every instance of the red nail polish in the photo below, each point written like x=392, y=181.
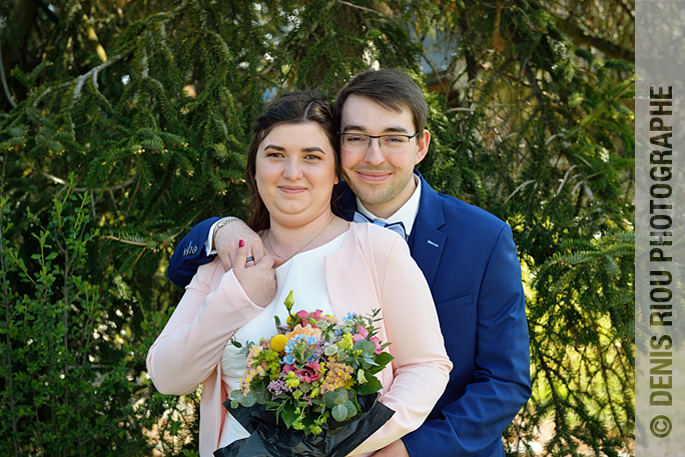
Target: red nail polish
x=241, y=243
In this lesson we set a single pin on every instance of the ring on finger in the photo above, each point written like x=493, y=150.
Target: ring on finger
x=249, y=259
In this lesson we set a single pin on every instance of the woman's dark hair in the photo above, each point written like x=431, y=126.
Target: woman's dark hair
x=295, y=108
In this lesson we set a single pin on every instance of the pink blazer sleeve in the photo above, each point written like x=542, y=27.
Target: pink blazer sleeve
x=191, y=344
x=421, y=366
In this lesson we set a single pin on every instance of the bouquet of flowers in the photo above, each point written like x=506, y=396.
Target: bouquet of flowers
x=310, y=389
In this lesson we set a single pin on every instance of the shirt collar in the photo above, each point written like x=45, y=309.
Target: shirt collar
x=406, y=214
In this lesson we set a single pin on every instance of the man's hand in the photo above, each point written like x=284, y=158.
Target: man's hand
x=226, y=243
x=394, y=449
x=258, y=279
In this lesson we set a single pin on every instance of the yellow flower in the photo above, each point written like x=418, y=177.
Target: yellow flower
x=291, y=380
x=338, y=375
x=346, y=343
x=278, y=343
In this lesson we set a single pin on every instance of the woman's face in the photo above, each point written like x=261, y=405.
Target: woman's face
x=295, y=173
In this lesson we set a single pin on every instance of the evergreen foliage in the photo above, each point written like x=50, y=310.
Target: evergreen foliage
x=131, y=123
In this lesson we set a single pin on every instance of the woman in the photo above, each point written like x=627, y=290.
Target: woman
x=329, y=263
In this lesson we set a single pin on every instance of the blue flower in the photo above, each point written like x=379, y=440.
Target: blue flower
x=288, y=359
x=290, y=346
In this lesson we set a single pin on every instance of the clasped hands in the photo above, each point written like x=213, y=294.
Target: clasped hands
x=234, y=243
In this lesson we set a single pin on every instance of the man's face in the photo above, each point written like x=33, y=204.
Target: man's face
x=382, y=180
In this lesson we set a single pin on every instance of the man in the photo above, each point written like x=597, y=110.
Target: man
x=467, y=255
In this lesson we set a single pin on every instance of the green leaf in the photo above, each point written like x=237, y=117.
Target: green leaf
x=382, y=360
x=351, y=409
x=341, y=396
x=289, y=415
x=235, y=343
x=339, y=413
x=372, y=385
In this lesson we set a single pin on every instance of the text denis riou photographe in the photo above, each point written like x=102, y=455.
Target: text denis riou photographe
x=660, y=258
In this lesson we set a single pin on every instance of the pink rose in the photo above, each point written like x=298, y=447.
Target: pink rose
x=309, y=373
x=362, y=335
x=378, y=344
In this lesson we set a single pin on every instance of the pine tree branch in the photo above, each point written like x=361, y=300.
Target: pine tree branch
x=121, y=240
x=4, y=82
x=445, y=89
x=352, y=5
x=94, y=40
x=93, y=73
x=626, y=7
x=57, y=180
x=21, y=18
x=579, y=36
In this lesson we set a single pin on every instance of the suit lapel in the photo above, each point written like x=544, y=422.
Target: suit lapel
x=426, y=241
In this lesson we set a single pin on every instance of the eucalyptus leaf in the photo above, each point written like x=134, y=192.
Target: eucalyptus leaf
x=339, y=413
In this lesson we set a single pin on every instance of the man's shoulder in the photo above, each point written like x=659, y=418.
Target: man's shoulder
x=458, y=213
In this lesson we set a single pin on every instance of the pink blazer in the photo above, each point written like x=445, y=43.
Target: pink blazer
x=372, y=270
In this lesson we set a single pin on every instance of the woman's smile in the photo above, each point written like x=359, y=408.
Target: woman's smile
x=292, y=189
x=295, y=172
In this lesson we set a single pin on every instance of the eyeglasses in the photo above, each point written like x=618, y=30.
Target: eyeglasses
x=359, y=142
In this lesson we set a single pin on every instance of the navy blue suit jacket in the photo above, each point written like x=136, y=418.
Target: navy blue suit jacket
x=469, y=259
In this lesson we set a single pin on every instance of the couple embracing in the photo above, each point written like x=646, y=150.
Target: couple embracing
x=444, y=274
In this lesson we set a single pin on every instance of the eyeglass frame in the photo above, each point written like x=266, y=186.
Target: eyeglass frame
x=373, y=137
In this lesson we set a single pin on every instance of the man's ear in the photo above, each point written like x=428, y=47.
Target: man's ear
x=423, y=144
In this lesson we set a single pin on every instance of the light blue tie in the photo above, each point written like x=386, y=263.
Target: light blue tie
x=397, y=227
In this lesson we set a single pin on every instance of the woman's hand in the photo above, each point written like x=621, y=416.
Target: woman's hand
x=226, y=242
x=256, y=277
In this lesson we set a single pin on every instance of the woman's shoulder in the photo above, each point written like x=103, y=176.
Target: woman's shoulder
x=375, y=238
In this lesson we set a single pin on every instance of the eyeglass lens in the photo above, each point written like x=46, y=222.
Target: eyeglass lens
x=361, y=141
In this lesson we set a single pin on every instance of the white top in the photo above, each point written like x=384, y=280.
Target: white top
x=305, y=275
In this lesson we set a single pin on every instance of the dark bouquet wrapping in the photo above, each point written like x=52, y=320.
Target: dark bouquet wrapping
x=310, y=390
x=270, y=439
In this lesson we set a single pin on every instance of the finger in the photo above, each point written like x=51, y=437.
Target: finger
x=267, y=261
x=249, y=260
x=249, y=244
x=257, y=249
x=225, y=261
x=240, y=256
x=230, y=254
